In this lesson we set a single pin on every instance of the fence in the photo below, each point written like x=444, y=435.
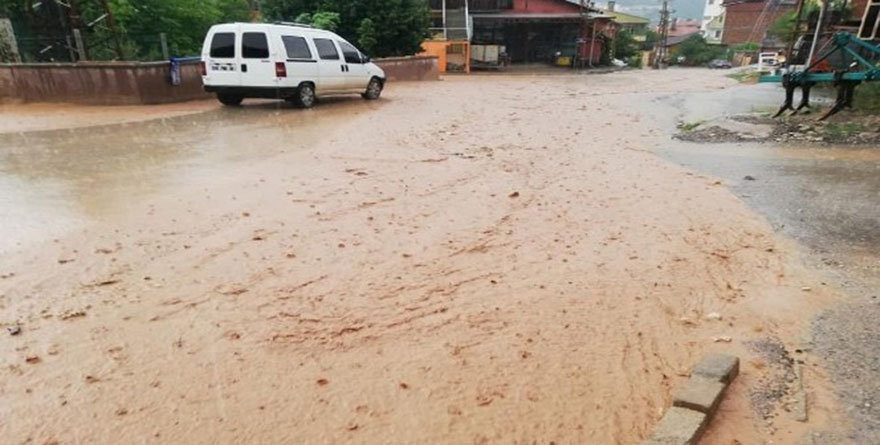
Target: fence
x=129, y=83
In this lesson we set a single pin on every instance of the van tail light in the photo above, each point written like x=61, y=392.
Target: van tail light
x=280, y=69
x=204, y=68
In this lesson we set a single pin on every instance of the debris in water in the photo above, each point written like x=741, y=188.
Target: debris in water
x=749, y=178
x=33, y=359
x=514, y=195
x=806, y=288
x=322, y=382
x=722, y=339
x=13, y=330
x=713, y=316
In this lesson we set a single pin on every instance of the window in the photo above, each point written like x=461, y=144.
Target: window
x=326, y=49
x=717, y=34
x=350, y=53
x=254, y=45
x=223, y=45
x=297, y=48
x=711, y=2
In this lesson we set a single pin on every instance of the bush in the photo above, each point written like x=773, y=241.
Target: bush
x=696, y=51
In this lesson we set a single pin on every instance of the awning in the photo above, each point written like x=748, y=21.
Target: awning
x=530, y=17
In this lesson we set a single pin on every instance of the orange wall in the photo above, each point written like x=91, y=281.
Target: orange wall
x=437, y=48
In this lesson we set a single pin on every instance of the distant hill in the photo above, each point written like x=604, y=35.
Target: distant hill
x=686, y=9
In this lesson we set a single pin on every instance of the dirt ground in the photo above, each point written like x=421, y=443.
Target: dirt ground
x=486, y=259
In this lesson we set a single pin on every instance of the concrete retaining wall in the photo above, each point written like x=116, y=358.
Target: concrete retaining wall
x=132, y=83
x=409, y=68
x=124, y=83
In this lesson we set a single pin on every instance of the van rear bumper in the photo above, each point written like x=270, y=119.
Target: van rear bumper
x=257, y=92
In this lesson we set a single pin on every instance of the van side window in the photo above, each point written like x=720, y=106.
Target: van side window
x=296, y=47
x=254, y=45
x=223, y=45
x=350, y=53
x=326, y=49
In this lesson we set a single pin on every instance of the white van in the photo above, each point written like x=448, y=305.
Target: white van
x=286, y=61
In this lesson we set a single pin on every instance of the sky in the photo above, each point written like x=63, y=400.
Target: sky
x=690, y=9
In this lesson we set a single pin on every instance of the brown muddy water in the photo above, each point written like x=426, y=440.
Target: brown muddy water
x=488, y=259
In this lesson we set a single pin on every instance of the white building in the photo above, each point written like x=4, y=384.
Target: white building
x=713, y=11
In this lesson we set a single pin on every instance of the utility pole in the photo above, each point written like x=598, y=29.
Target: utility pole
x=822, y=7
x=660, y=49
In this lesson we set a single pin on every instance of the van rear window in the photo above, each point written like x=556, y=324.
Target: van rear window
x=296, y=47
x=223, y=45
x=254, y=45
x=326, y=49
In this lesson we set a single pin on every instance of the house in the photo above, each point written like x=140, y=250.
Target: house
x=529, y=30
x=712, y=25
x=680, y=27
x=635, y=25
x=714, y=29
x=674, y=41
x=747, y=21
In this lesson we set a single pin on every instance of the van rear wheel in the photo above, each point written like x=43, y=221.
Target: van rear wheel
x=374, y=89
x=305, y=96
x=229, y=100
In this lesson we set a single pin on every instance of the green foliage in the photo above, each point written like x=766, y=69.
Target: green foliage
x=326, y=20
x=867, y=97
x=746, y=76
x=139, y=22
x=367, y=35
x=696, y=51
x=747, y=46
x=634, y=61
x=651, y=38
x=304, y=18
x=625, y=45
x=322, y=20
x=398, y=26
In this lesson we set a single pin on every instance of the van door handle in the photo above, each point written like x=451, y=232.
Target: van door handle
x=243, y=67
x=342, y=67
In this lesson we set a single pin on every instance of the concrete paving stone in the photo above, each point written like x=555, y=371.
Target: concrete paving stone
x=721, y=367
x=679, y=426
x=701, y=394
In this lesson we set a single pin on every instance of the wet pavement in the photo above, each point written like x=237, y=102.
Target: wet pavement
x=55, y=181
x=828, y=199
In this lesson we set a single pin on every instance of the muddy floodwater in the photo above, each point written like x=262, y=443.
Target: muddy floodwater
x=484, y=259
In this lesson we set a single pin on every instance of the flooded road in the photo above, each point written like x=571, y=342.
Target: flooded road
x=487, y=259
x=828, y=199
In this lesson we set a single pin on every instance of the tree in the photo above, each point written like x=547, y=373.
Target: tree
x=326, y=20
x=625, y=45
x=651, y=38
x=398, y=26
x=367, y=35
x=697, y=52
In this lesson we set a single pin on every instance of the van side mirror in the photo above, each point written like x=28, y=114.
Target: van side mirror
x=365, y=58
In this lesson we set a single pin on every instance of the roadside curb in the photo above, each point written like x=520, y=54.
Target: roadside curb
x=696, y=402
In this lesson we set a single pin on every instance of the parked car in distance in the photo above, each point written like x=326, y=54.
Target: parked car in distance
x=287, y=61
x=719, y=64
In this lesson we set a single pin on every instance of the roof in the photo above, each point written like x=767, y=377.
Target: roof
x=776, y=2
x=627, y=19
x=671, y=41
